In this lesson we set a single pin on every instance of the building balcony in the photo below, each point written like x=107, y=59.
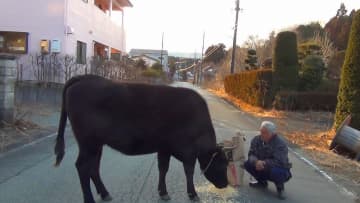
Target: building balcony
x=100, y=21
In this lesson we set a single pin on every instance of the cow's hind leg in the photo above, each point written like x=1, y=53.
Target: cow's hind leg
x=95, y=177
x=85, y=163
x=163, y=164
x=189, y=166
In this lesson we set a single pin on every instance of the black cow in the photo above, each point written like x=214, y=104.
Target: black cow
x=139, y=119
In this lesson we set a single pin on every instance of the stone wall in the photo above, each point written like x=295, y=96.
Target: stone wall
x=7, y=87
x=38, y=93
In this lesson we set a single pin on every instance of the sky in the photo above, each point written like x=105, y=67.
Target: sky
x=183, y=22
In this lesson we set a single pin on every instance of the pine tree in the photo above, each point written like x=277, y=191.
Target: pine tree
x=349, y=90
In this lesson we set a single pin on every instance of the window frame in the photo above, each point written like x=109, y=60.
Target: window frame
x=81, y=48
x=5, y=49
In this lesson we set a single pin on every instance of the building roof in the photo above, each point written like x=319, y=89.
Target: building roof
x=139, y=52
x=149, y=57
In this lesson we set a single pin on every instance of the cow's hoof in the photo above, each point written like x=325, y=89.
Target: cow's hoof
x=107, y=198
x=165, y=197
x=194, y=198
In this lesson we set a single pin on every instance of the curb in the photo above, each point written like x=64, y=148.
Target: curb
x=26, y=145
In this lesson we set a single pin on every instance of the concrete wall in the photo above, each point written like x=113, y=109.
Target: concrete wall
x=34, y=93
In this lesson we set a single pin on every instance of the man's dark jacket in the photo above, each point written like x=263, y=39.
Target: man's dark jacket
x=274, y=153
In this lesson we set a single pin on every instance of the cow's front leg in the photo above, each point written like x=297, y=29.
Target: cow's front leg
x=189, y=167
x=163, y=164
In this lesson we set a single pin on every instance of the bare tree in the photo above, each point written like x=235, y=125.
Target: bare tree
x=327, y=47
x=69, y=66
x=262, y=47
x=45, y=67
x=58, y=68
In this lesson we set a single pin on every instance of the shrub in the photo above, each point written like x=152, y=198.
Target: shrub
x=252, y=87
x=157, y=66
x=327, y=85
x=151, y=73
x=335, y=64
x=251, y=60
x=308, y=48
x=317, y=101
x=311, y=73
x=285, y=62
x=349, y=90
x=267, y=63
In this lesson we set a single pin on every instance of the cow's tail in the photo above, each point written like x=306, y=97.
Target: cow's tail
x=60, y=142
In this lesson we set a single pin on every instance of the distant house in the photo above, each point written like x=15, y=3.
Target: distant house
x=209, y=72
x=149, y=61
x=153, y=55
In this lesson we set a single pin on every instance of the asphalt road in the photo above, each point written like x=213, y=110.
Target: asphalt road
x=27, y=173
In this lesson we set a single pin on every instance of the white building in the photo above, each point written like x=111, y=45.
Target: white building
x=153, y=54
x=81, y=28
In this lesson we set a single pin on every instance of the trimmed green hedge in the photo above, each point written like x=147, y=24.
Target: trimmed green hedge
x=291, y=100
x=285, y=62
x=252, y=87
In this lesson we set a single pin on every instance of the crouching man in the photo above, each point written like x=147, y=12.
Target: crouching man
x=268, y=159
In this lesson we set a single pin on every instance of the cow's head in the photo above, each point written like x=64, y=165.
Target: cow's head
x=216, y=168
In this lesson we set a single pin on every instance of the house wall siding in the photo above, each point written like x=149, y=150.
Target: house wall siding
x=91, y=24
x=42, y=19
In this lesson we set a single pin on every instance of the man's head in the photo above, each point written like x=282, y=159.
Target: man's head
x=267, y=130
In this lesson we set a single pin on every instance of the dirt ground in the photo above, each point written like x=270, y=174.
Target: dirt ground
x=313, y=133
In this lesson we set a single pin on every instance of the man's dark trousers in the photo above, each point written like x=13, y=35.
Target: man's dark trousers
x=275, y=174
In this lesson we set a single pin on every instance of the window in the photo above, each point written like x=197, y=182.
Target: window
x=14, y=42
x=115, y=56
x=81, y=53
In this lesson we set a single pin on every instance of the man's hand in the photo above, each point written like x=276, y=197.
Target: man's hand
x=260, y=165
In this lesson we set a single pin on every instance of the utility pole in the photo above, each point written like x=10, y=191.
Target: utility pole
x=202, y=57
x=235, y=35
x=162, y=47
x=194, y=69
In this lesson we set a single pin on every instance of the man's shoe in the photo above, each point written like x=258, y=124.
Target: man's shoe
x=280, y=192
x=259, y=184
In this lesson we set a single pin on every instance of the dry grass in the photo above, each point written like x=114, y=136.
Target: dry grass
x=18, y=131
x=256, y=111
